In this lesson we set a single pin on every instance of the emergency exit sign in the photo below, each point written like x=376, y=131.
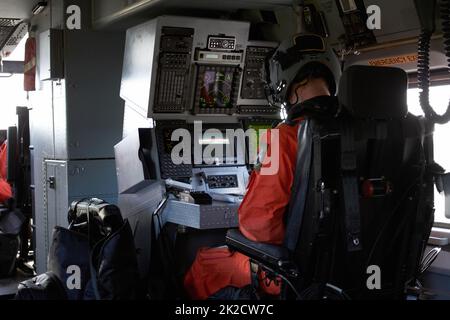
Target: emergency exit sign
x=407, y=58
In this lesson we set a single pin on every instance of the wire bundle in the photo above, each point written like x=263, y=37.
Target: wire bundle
x=423, y=65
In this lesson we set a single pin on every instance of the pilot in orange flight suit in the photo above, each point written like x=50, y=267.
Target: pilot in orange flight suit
x=5, y=188
x=261, y=214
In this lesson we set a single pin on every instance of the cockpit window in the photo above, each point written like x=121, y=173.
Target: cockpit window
x=12, y=94
x=439, y=99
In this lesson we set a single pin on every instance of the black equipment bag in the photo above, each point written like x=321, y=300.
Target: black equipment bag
x=11, y=221
x=113, y=266
x=9, y=245
x=10, y=225
x=163, y=282
x=46, y=286
x=70, y=248
x=99, y=247
x=110, y=264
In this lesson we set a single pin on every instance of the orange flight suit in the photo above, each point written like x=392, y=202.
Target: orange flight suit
x=261, y=219
x=5, y=188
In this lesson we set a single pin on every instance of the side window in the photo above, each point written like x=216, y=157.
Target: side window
x=439, y=99
x=11, y=96
x=11, y=90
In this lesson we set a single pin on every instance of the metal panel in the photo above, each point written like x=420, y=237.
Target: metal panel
x=119, y=13
x=64, y=182
x=133, y=120
x=60, y=119
x=40, y=203
x=139, y=70
x=54, y=212
x=17, y=8
x=13, y=67
x=218, y=215
x=50, y=55
x=72, y=110
x=241, y=173
x=255, y=74
x=398, y=20
x=92, y=179
x=94, y=109
x=41, y=123
x=138, y=209
x=333, y=20
x=438, y=59
x=129, y=167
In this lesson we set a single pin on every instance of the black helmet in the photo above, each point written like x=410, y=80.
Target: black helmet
x=295, y=60
x=315, y=70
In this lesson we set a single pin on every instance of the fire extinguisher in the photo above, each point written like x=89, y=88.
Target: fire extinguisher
x=30, y=65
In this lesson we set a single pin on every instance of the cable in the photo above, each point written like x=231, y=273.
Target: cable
x=339, y=291
x=269, y=97
x=290, y=285
x=423, y=65
x=429, y=259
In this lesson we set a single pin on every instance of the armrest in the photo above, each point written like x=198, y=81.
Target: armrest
x=272, y=256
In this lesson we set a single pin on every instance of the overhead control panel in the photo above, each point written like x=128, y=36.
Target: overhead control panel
x=194, y=67
x=173, y=70
x=253, y=88
x=253, y=81
x=221, y=43
x=354, y=18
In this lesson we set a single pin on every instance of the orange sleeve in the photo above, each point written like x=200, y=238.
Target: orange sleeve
x=5, y=188
x=3, y=155
x=5, y=191
x=261, y=214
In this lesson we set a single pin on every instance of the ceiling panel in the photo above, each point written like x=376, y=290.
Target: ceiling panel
x=107, y=12
x=16, y=8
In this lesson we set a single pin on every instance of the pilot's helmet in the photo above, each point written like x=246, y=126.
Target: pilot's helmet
x=295, y=60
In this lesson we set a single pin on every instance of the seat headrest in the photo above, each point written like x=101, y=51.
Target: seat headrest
x=374, y=92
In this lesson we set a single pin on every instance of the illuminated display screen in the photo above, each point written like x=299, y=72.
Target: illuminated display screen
x=207, y=139
x=212, y=56
x=222, y=143
x=216, y=87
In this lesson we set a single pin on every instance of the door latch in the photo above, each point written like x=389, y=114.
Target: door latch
x=51, y=182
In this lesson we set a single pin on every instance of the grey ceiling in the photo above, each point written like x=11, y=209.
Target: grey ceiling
x=16, y=8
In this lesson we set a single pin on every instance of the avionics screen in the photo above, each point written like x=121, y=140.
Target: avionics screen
x=222, y=143
x=215, y=86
